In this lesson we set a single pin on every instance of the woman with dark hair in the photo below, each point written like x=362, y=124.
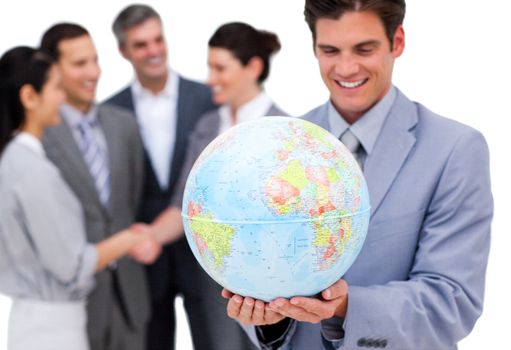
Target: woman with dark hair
x=239, y=63
x=46, y=264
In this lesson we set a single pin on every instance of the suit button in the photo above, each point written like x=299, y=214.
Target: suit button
x=371, y=342
x=383, y=343
x=376, y=343
x=362, y=342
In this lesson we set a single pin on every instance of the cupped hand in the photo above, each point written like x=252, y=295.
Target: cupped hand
x=333, y=301
x=250, y=311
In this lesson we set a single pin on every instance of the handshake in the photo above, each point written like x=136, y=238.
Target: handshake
x=147, y=247
x=150, y=238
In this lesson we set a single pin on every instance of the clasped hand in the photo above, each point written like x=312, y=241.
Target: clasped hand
x=333, y=301
x=148, y=250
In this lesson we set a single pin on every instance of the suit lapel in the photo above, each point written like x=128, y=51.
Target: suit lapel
x=391, y=150
x=73, y=155
x=184, y=106
x=127, y=99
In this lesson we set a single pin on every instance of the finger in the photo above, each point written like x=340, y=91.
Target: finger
x=138, y=227
x=320, y=308
x=136, y=252
x=227, y=294
x=258, y=317
x=285, y=308
x=336, y=290
x=155, y=253
x=271, y=317
x=246, y=311
x=234, y=307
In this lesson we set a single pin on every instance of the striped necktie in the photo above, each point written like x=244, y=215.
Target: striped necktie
x=352, y=144
x=96, y=160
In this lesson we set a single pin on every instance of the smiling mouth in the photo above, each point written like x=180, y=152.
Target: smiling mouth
x=90, y=85
x=154, y=60
x=351, y=84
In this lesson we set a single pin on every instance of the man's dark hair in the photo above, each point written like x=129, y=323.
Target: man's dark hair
x=390, y=12
x=245, y=42
x=57, y=33
x=130, y=17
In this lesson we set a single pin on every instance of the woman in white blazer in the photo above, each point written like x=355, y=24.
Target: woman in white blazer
x=239, y=63
x=46, y=264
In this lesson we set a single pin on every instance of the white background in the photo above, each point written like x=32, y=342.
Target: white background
x=456, y=62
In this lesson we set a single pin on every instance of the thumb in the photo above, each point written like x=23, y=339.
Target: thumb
x=336, y=290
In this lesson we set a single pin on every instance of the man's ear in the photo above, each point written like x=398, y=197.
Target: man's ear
x=398, y=44
x=122, y=50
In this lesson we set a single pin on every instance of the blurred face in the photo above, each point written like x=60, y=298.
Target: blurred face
x=356, y=61
x=78, y=63
x=50, y=98
x=144, y=46
x=229, y=80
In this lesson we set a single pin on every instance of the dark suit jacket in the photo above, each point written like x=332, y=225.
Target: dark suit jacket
x=194, y=99
x=126, y=172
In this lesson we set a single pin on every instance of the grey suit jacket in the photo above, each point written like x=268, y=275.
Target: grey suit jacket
x=418, y=282
x=126, y=171
x=206, y=130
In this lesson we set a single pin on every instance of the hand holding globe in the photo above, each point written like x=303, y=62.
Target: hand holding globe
x=277, y=208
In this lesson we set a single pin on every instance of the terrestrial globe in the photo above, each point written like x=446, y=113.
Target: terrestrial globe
x=276, y=207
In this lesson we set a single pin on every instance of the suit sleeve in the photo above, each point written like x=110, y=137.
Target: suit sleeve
x=440, y=302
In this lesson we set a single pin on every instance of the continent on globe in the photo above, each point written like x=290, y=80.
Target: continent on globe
x=276, y=207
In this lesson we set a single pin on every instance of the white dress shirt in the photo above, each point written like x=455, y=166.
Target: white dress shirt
x=157, y=119
x=255, y=108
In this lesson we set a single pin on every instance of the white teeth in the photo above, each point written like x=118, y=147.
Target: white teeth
x=351, y=84
x=217, y=88
x=154, y=60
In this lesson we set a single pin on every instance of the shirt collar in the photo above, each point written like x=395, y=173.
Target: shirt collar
x=73, y=116
x=255, y=108
x=30, y=141
x=368, y=127
x=170, y=90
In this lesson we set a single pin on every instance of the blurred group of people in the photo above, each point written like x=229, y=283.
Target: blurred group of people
x=87, y=187
x=91, y=192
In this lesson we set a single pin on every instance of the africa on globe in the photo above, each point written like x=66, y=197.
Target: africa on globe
x=276, y=207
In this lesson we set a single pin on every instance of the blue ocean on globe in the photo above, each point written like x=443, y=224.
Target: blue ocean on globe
x=276, y=207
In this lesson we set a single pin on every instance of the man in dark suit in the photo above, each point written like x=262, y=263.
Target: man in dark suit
x=108, y=183
x=167, y=107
